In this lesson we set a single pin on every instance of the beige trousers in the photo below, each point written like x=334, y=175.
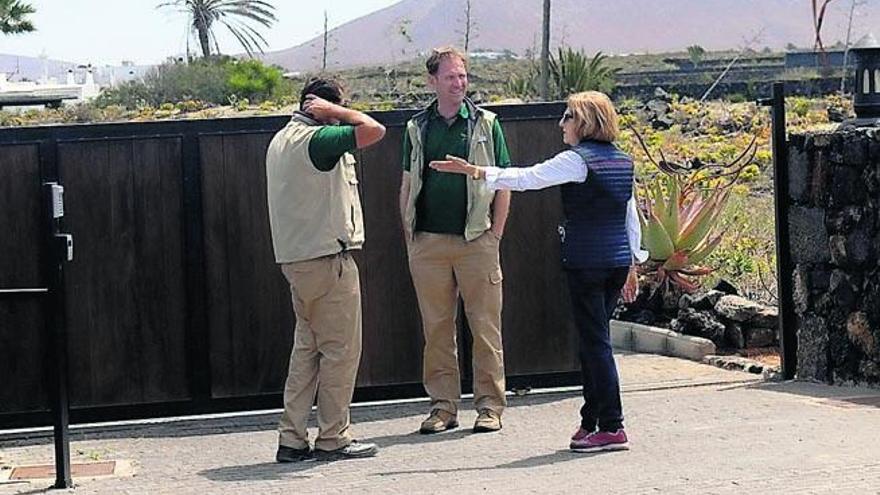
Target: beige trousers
x=444, y=266
x=326, y=350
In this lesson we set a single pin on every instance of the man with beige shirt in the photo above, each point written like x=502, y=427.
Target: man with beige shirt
x=453, y=227
x=316, y=221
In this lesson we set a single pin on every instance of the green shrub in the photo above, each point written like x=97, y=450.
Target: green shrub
x=747, y=256
x=129, y=94
x=213, y=81
x=252, y=80
x=798, y=105
x=521, y=86
x=205, y=80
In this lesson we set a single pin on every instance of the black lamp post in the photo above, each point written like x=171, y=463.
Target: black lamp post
x=866, y=92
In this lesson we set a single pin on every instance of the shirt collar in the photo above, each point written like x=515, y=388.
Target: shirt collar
x=463, y=111
x=305, y=118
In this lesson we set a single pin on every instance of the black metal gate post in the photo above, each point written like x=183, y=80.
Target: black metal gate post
x=60, y=251
x=784, y=269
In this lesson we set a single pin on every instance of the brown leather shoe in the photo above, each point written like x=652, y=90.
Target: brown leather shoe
x=488, y=420
x=438, y=421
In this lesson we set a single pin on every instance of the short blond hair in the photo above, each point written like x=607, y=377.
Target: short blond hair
x=594, y=116
x=440, y=54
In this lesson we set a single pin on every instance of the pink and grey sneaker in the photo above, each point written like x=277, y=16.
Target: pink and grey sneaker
x=601, y=441
x=579, y=436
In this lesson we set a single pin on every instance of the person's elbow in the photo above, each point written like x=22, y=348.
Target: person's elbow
x=369, y=134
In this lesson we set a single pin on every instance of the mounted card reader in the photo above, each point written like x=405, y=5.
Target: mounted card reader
x=57, y=201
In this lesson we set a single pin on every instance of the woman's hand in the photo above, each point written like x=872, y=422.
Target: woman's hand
x=631, y=286
x=455, y=165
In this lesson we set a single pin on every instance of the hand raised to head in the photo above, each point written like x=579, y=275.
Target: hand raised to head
x=320, y=108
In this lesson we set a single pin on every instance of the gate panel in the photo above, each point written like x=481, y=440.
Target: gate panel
x=249, y=312
x=125, y=287
x=23, y=343
x=392, y=339
x=539, y=335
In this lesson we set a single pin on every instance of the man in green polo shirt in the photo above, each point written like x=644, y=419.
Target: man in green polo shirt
x=453, y=226
x=316, y=221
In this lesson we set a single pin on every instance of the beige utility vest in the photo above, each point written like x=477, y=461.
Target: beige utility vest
x=481, y=152
x=312, y=213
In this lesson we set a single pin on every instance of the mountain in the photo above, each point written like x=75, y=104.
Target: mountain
x=412, y=27
x=20, y=68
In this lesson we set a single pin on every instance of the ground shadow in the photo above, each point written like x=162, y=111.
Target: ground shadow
x=265, y=471
x=415, y=437
x=563, y=455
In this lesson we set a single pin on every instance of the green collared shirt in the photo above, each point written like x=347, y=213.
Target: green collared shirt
x=441, y=207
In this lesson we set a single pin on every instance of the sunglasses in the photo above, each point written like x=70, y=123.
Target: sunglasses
x=567, y=116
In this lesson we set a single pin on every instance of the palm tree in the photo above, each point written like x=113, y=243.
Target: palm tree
x=545, y=53
x=236, y=15
x=12, y=17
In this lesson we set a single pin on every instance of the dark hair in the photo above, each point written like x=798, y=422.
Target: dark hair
x=328, y=89
x=440, y=54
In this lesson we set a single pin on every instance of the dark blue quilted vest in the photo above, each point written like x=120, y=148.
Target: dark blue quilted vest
x=594, y=232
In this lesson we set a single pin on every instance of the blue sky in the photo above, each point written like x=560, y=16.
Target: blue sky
x=109, y=31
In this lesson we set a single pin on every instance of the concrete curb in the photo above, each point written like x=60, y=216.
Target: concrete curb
x=635, y=337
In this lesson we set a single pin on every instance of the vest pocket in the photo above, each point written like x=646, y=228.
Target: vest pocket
x=348, y=170
x=349, y=176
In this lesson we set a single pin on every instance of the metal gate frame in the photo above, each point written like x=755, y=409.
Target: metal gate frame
x=55, y=249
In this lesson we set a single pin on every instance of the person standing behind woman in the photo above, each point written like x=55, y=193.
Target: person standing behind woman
x=453, y=228
x=601, y=241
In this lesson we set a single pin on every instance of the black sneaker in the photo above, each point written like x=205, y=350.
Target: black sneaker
x=288, y=454
x=354, y=450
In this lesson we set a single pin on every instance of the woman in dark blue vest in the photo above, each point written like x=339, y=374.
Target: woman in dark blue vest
x=600, y=247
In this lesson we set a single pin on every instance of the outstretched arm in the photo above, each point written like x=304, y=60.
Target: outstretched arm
x=564, y=167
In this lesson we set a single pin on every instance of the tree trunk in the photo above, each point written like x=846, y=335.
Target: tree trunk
x=467, y=26
x=852, y=11
x=204, y=41
x=326, y=34
x=545, y=54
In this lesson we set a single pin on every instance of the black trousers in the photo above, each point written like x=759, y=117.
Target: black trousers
x=594, y=293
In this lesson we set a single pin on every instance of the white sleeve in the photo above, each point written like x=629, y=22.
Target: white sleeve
x=564, y=167
x=634, y=232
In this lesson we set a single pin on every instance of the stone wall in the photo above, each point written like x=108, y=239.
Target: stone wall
x=834, y=227
x=747, y=89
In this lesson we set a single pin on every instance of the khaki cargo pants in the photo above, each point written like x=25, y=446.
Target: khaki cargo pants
x=443, y=266
x=326, y=350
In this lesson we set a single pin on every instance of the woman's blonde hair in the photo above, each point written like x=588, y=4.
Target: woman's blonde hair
x=594, y=116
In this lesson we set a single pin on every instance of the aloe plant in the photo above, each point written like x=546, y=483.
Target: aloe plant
x=679, y=209
x=573, y=72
